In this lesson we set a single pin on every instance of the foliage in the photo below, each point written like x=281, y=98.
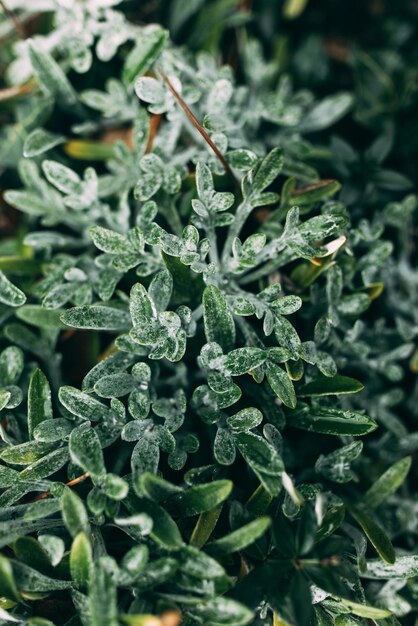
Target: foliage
x=206, y=339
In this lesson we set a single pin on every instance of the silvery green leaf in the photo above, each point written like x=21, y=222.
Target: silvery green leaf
x=326, y=112
x=37, y=315
x=148, y=48
x=86, y=451
x=114, y=385
x=52, y=430
x=281, y=384
x=82, y=405
x=141, y=307
x=404, y=567
x=259, y=454
x=286, y=335
x=150, y=177
x=242, y=360
x=11, y=365
x=114, y=363
x=336, y=465
x=224, y=447
x=7, y=476
x=387, y=483
x=326, y=364
x=25, y=453
x=160, y=289
x=145, y=456
x=223, y=611
x=218, y=320
x=110, y=241
x=40, y=141
x=241, y=159
x=53, y=546
x=74, y=513
x=268, y=170
x=245, y=419
x=97, y=317
x=47, y=465
x=150, y=90
x=39, y=401
x=331, y=421
x=114, y=487
x=286, y=305
x=9, y=293
x=102, y=598
x=51, y=76
x=30, y=580
x=62, y=177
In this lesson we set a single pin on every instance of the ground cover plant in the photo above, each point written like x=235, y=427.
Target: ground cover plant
x=208, y=312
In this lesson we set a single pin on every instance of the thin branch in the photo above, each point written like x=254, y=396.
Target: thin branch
x=79, y=479
x=71, y=483
x=200, y=129
x=12, y=17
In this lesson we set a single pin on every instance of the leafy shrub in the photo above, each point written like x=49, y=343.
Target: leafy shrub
x=206, y=340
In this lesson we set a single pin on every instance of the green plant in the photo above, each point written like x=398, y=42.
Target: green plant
x=190, y=314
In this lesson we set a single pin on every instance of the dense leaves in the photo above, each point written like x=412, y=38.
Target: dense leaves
x=208, y=312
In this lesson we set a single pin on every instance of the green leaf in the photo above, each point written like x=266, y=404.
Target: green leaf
x=404, y=567
x=364, y=610
x=82, y=405
x=11, y=365
x=331, y=386
x=40, y=141
x=195, y=563
x=245, y=419
x=165, y=531
x=81, y=559
x=281, y=384
x=110, y=241
x=326, y=112
x=135, y=560
x=51, y=76
x=39, y=316
x=29, y=580
x=268, y=170
x=199, y=498
x=74, y=513
x=148, y=48
x=218, y=320
x=8, y=587
x=316, y=192
x=386, y=484
x=287, y=336
x=46, y=466
x=223, y=611
x=375, y=534
x=156, y=488
x=39, y=400
x=242, y=360
x=240, y=538
x=25, y=453
x=205, y=525
x=97, y=317
x=328, y=421
x=9, y=294
x=86, y=451
x=102, y=601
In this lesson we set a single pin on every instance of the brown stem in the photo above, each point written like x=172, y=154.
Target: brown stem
x=200, y=128
x=79, y=479
x=71, y=483
x=12, y=17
